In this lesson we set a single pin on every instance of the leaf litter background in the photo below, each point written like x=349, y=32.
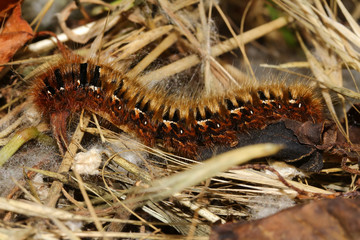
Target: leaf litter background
x=139, y=192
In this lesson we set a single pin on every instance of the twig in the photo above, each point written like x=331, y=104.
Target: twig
x=54, y=192
x=223, y=47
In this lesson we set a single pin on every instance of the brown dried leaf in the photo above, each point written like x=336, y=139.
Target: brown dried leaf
x=307, y=132
x=15, y=34
x=96, y=27
x=6, y=6
x=326, y=137
x=324, y=219
x=340, y=145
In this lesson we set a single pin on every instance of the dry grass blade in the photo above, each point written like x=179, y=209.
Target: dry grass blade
x=165, y=44
x=41, y=15
x=88, y=203
x=168, y=186
x=261, y=178
x=335, y=36
x=142, y=40
x=32, y=209
x=132, y=168
x=226, y=46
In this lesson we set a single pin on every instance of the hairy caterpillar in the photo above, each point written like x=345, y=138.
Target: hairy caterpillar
x=185, y=126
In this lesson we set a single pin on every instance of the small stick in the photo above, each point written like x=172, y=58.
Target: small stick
x=54, y=192
x=301, y=192
x=347, y=169
x=165, y=44
x=223, y=47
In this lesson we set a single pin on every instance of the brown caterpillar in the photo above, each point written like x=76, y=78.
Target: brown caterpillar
x=184, y=126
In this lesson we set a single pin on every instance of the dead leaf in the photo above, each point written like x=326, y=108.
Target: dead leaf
x=15, y=34
x=6, y=6
x=285, y=132
x=307, y=132
x=92, y=31
x=323, y=219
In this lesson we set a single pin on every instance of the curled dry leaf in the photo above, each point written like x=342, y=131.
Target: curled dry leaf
x=15, y=34
x=324, y=219
x=6, y=6
x=93, y=29
x=296, y=149
x=349, y=147
x=326, y=137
